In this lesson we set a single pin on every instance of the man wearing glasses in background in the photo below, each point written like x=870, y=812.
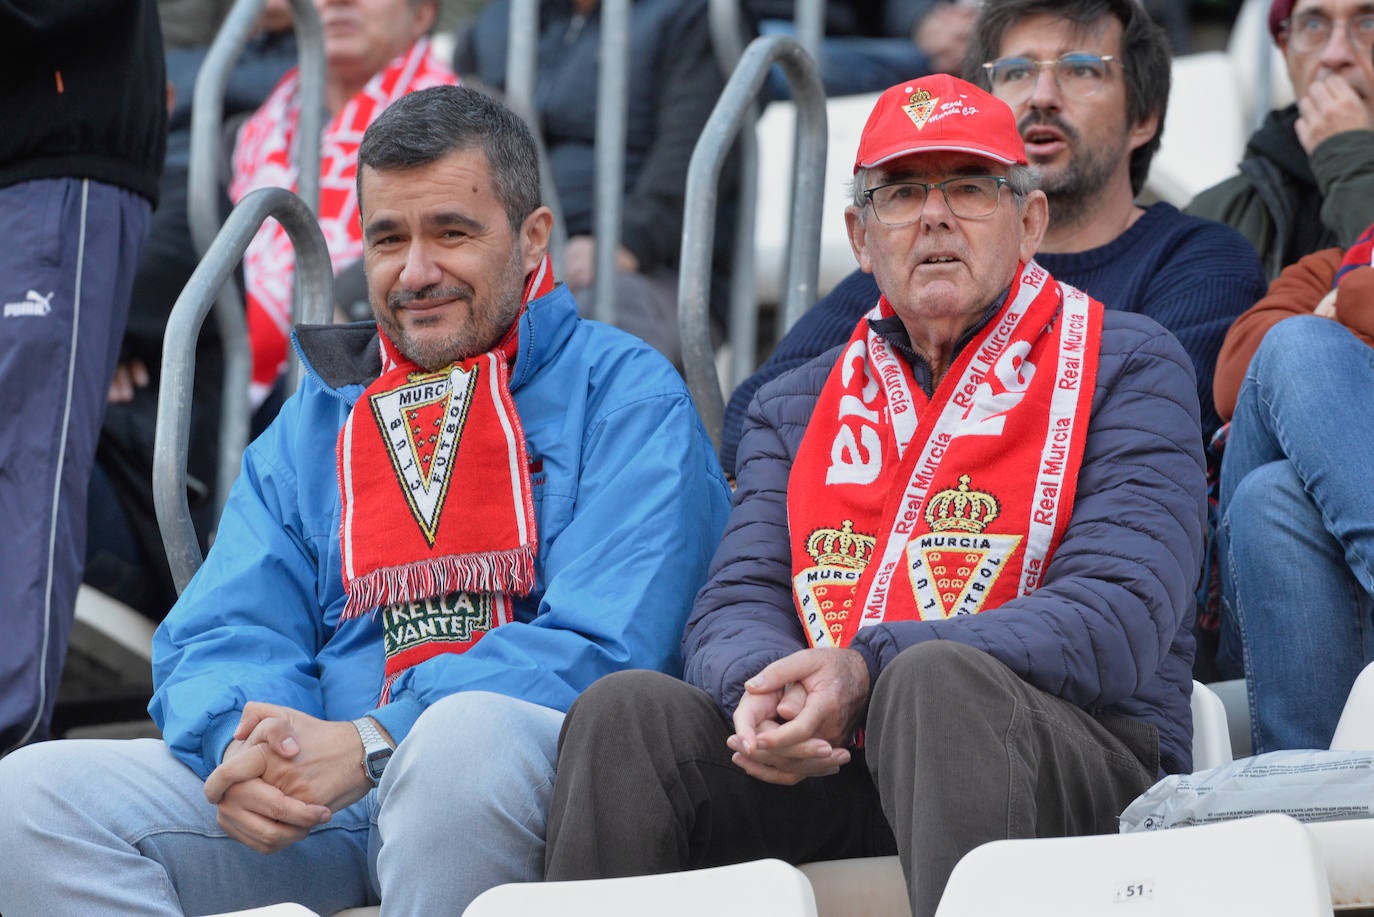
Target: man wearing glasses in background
x=1088, y=82
x=952, y=602
x=1307, y=180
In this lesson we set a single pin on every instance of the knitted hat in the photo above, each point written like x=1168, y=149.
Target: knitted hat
x=939, y=112
x=1279, y=10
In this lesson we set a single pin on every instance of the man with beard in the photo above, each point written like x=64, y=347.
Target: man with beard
x=1307, y=180
x=1088, y=81
x=421, y=565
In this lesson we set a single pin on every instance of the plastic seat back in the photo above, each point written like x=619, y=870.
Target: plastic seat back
x=744, y=890
x=1263, y=865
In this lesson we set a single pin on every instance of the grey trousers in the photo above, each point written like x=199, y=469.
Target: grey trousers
x=960, y=751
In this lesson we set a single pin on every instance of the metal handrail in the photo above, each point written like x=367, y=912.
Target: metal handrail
x=803, y=247
x=202, y=201
x=727, y=39
x=522, y=48
x=612, y=102
x=173, y=432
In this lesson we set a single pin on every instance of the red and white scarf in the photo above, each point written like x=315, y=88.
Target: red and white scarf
x=437, y=525
x=903, y=507
x=265, y=157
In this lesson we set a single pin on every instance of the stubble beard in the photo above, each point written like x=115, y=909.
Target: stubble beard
x=1076, y=189
x=488, y=321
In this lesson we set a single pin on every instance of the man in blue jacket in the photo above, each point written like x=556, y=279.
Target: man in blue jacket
x=953, y=601
x=452, y=528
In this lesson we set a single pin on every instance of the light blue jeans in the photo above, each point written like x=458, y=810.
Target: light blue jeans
x=1297, y=498
x=122, y=827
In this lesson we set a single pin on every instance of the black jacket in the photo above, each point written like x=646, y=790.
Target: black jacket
x=82, y=92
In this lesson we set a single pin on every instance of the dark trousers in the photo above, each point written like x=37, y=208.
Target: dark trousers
x=960, y=751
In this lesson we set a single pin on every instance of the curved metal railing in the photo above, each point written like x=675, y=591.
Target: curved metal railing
x=203, y=195
x=315, y=289
x=522, y=48
x=803, y=248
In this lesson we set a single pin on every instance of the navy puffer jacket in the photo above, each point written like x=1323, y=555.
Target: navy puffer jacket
x=1109, y=629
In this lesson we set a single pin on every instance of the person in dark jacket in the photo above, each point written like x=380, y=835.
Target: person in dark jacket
x=953, y=600
x=1093, y=152
x=1307, y=180
x=674, y=82
x=85, y=114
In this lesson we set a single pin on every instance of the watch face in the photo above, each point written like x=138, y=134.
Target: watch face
x=377, y=761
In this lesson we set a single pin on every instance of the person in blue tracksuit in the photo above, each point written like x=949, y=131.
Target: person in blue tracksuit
x=85, y=113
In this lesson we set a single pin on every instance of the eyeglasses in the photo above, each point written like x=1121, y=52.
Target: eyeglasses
x=967, y=197
x=1078, y=75
x=1311, y=31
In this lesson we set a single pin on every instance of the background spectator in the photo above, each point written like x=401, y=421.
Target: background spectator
x=674, y=83
x=85, y=114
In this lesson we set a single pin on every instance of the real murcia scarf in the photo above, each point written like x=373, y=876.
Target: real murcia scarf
x=265, y=157
x=437, y=524
x=902, y=507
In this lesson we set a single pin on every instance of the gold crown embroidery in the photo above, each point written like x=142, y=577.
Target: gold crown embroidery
x=920, y=107
x=842, y=547
x=961, y=510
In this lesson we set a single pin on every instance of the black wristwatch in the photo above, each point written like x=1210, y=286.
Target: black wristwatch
x=376, y=750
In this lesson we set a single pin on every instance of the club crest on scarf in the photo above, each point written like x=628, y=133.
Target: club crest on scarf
x=424, y=422
x=968, y=488
x=825, y=592
x=956, y=565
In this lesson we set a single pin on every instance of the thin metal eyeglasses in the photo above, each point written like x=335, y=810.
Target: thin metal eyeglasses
x=968, y=197
x=1077, y=74
x=1311, y=31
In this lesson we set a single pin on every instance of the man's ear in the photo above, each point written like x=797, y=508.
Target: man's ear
x=1035, y=219
x=426, y=14
x=858, y=237
x=534, y=237
x=1143, y=131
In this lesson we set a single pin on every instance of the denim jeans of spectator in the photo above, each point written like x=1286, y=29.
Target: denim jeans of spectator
x=1297, y=498
x=123, y=827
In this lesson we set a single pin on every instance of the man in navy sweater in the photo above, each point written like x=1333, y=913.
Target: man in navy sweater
x=1088, y=81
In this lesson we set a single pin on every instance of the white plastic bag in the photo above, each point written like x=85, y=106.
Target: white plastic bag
x=1311, y=786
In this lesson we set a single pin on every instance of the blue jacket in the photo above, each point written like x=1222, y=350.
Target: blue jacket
x=629, y=505
x=1109, y=629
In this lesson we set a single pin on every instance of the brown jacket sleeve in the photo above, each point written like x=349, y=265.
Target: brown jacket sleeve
x=1296, y=291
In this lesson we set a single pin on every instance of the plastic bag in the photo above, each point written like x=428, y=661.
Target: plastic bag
x=1311, y=786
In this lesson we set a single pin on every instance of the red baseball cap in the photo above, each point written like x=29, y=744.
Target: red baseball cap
x=1279, y=10
x=939, y=112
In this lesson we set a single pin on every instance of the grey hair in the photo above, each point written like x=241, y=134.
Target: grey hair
x=426, y=126
x=1022, y=180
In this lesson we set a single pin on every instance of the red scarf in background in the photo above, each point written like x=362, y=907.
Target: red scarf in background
x=437, y=525
x=903, y=507
x=264, y=157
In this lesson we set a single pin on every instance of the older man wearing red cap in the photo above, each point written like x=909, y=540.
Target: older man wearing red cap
x=1307, y=180
x=953, y=600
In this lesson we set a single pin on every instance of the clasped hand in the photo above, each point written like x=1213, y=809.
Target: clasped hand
x=284, y=773
x=798, y=714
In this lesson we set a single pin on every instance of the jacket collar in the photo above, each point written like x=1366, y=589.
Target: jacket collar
x=340, y=356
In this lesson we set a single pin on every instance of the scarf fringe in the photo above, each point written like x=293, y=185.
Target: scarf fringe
x=510, y=571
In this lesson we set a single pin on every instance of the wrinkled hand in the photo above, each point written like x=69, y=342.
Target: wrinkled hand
x=307, y=768
x=251, y=810
x=1330, y=107
x=797, y=715
x=579, y=262
x=128, y=378
x=943, y=35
